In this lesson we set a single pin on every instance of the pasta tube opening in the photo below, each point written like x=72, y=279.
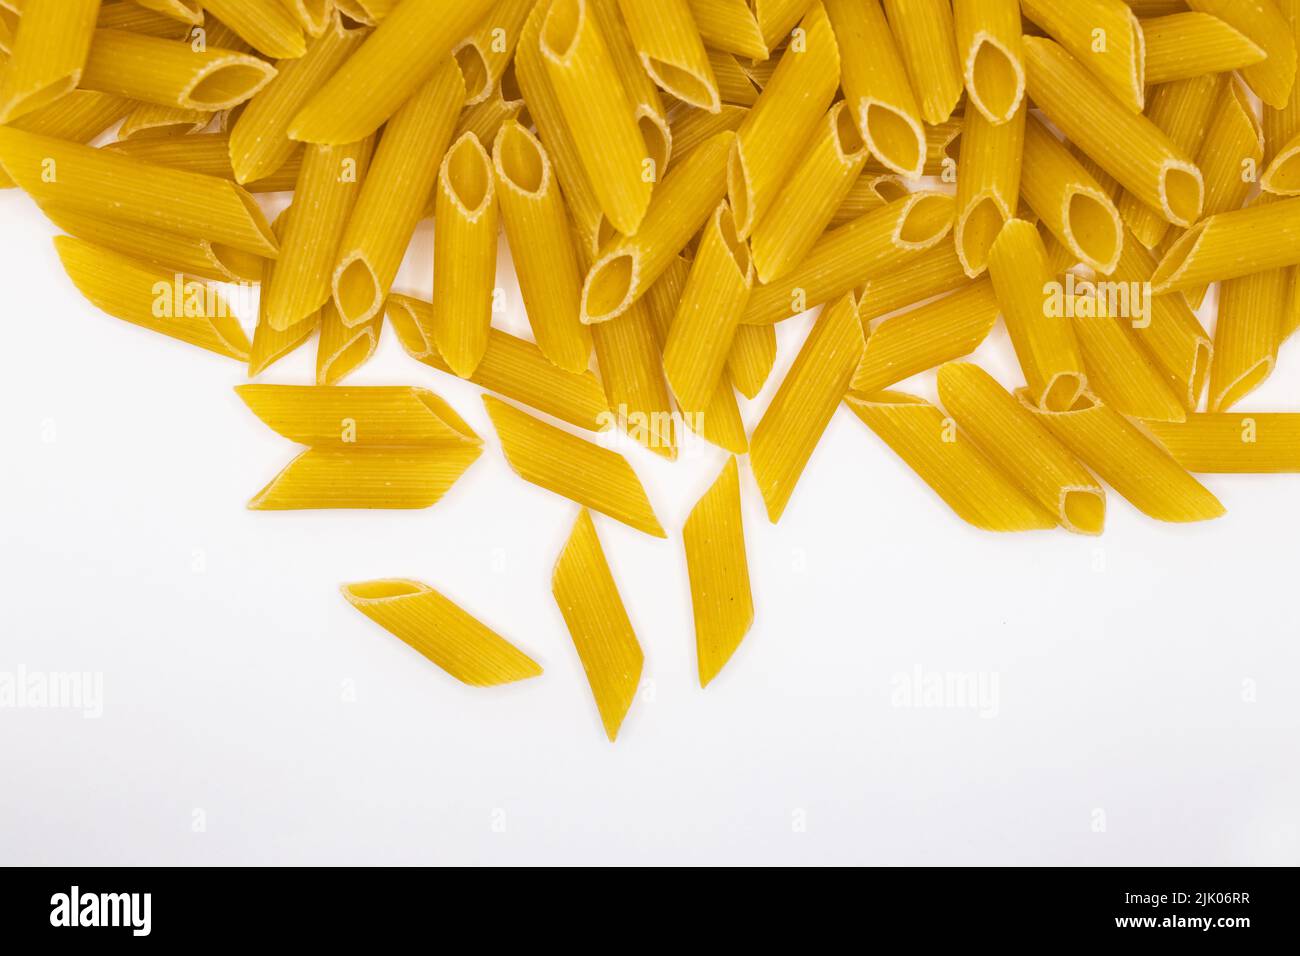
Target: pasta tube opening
x=519, y=160
x=977, y=230
x=1175, y=261
x=1245, y=383
x=560, y=28
x=995, y=79
x=926, y=220
x=367, y=592
x=894, y=138
x=1094, y=228
x=224, y=85
x=1182, y=192
x=658, y=137
x=468, y=177
x=1063, y=391
x=1083, y=510
x=609, y=290
x=1283, y=174
x=687, y=86
x=474, y=68
x=357, y=289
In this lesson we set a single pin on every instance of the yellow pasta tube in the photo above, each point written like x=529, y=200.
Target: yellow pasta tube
x=446, y=634
x=152, y=121
x=147, y=296
x=328, y=186
x=597, y=112
x=588, y=598
x=808, y=201
x=868, y=193
x=789, y=430
x=50, y=49
x=682, y=203
x=389, y=67
x=1127, y=145
x=926, y=337
x=630, y=359
x=695, y=355
x=1069, y=201
x=1045, y=345
x=1247, y=335
x=771, y=139
x=486, y=52
x=846, y=257
x=464, y=255
x=1260, y=238
x=1013, y=439
x=269, y=346
x=671, y=51
x=565, y=464
x=1138, y=469
x=267, y=27
x=642, y=93
x=1250, y=443
x=1102, y=35
x=1183, y=45
x=368, y=12
x=312, y=15
x=537, y=228
x=988, y=45
x=729, y=25
x=259, y=140
x=343, y=348
x=734, y=87
x=752, y=355
x=934, y=272
x=1119, y=371
x=1282, y=124
x=366, y=478
x=926, y=37
x=1282, y=177
x=988, y=185
x=721, y=601
x=1182, y=110
x=1260, y=20
x=777, y=18
x=691, y=128
x=78, y=117
x=357, y=416
x=206, y=153
x=941, y=150
x=393, y=196
x=173, y=73
x=511, y=366
x=947, y=460
x=485, y=119
x=111, y=186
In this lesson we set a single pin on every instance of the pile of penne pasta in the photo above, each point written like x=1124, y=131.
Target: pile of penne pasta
x=673, y=178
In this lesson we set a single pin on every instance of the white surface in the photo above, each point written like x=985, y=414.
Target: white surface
x=251, y=716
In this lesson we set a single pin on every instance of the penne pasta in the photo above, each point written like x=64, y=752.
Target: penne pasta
x=949, y=462
x=208, y=154
x=789, y=430
x=1282, y=177
x=1125, y=144
x=1044, y=344
x=1282, y=124
x=1183, y=45
x=511, y=367
x=1102, y=35
x=485, y=119
x=151, y=121
x=588, y=599
x=771, y=138
x=342, y=348
x=100, y=183
x=926, y=337
x=1138, y=469
x=695, y=355
x=752, y=355
x=642, y=93
x=78, y=117
x=683, y=201
x=808, y=201
x=571, y=467
x=447, y=635
x=368, y=12
x=666, y=39
x=1012, y=438
x=630, y=358
x=267, y=27
x=868, y=193
x=312, y=15
x=1073, y=206
x=485, y=53
x=926, y=37
x=729, y=25
x=988, y=185
x=1247, y=335
x=942, y=145
x=692, y=128
x=50, y=46
x=259, y=140
x=147, y=296
x=989, y=48
x=538, y=230
x=934, y=272
x=393, y=196
x=721, y=602
x=734, y=87
x=1230, y=245
x=269, y=346
x=1250, y=443
x=366, y=478
x=464, y=255
x=392, y=63
x=846, y=257
x=1273, y=78
x=1119, y=371
x=777, y=18
x=597, y=112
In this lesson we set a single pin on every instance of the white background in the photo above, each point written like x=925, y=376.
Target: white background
x=1148, y=682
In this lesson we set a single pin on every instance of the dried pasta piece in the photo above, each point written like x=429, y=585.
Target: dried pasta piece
x=988, y=44
x=147, y=296
x=1282, y=177
x=1045, y=344
x=368, y=12
x=1183, y=45
x=1247, y=335
x=357, y=416
x=1273, y=78
x=537, y=228
x=729, y=25
x=511, y=366
x=485, y=119
x=446, y=634
x=385, y=72
x=1282, y=124
x=942, y=144
x=1259, y=238
x=366, y=478
x=1249, y=443
x=1119, y=370
x=271, y=345
x=692, y=128
x=209, y=154
x=721, y=601
x=312, y=15
x=100, y=183
x=393, y=195
x=485, y=53
x=752, y=355
x=868, y=193
x=785, y=437
x=734, y=88
x=934, y=272
x=1127, y=145
x=926, y=37
x=343, y=348
x=926, y=337
x=777, y=18
x=771, y=140
x=671, y=51
x=1138, y=469
x=846, y=257
x=50, y=48
x=642, y=93
x=1013, y=439
x=947, y=460
x=137, y=19
x=988, y=185
x=1117, y=59
x=571, y=467
x=268, y=27
x=78, y=117
x=630, y=358
x=588, y=598
x=152, y=121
